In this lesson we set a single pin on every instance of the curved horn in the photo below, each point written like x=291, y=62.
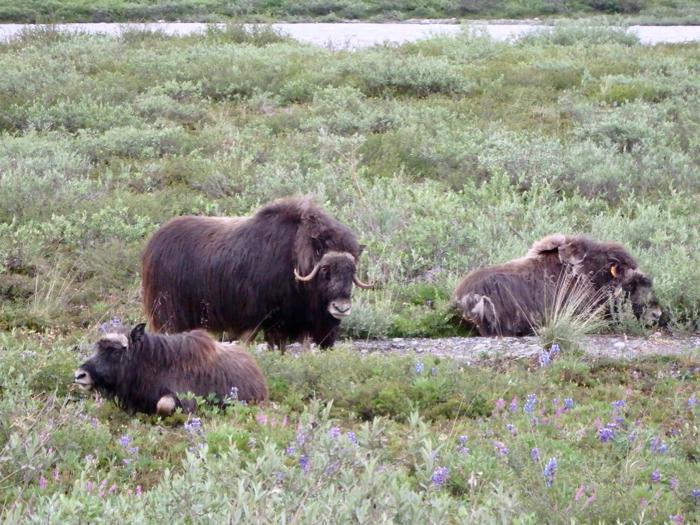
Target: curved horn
x=313, y=273
x=360, y=284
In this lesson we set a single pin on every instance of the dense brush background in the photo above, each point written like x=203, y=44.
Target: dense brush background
x=443, y=155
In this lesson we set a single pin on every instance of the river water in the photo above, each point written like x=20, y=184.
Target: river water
x=358, y=35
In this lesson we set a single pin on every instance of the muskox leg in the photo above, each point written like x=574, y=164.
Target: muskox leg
x=166, y=405
x=273, y=339
x=480, y=310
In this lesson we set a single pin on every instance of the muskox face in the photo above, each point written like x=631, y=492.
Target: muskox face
x=609, y=266
x=102, y=369
x=331, y=280
x=637, y=288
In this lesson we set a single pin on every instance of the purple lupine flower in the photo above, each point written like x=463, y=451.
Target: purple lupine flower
x=43, y=483
x=657, y=446
x=112, y=489
x=93, y=422
x=56, y=473
x=513, y=404
x=674, y=483
x=138, y=490
x=692, y=401
x=334, y=432
x=568, y=403
x=543, y=358
x=529, y=407
x=101, y=488
x=301, y=438
x=125, y=440
x=677, y=518
x=352, y=438
x=695, y=493
x=655, y=476
x=304, y=463
x=462, y=439
x=617, y=405
x=291, y=449
x=535, y=454
x=554, y=350
x=501, y=448
x=440, y=475
x=500, y=404
x=419, y=367
x=606, y=434
x=88, y=486
x=193, y=425
x=511, y=428
x=550, y=471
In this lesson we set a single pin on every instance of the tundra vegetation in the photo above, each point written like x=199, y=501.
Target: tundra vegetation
x=43, y=11
x=443, y=155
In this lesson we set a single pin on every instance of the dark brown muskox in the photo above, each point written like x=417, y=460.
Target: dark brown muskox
x=149, y=372
x=287, y=270
x=511, y=299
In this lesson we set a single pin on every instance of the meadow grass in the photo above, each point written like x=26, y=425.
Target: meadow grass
x=443, y=155
x=42, y=11
x=348, y=438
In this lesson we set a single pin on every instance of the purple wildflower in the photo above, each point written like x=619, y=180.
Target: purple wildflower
x=462, y=439
x=606, y=434
x=301, y=438
x=43, y=483
x=695, y=493
x=88, y=486
x=529, y=407
x=674, y=483
x=193, y=425
x=617, y=405
x=440, y=475
x=511, y=428
x=554, y=350
x=513, y=404
x=334, y=432
x=535, y=454
x=352, y=438
x=657, y=446
x=124, y=441
x=112, y=489
x=138, y=490
x=419, y=367
x=568, y=403
x=655, y=476
x=677, y=518
x=93, y=422
x=500, y=404
x=550, y=471
x=133, y=450
x=56, y=473
x=291, y=450
x=501, y=448
x=304, y=463
x=544, y=358
x=692, y=401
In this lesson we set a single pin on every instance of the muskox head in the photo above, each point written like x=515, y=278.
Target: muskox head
x=610, y=267
x=103, y=370
x=331, y=279
x=326, y=255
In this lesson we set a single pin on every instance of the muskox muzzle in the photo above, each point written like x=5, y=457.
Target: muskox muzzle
x=83, y=379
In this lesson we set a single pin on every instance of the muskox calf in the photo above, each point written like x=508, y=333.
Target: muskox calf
x=511, y=299
x=287, y=270
x=149, y=372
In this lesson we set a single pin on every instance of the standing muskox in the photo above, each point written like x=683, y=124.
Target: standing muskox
x=148, y=372
x=287, y=270
x=513, y=298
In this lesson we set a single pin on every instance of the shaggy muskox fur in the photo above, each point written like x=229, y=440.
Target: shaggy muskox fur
x=149, y=372
x=287, y=270
x=511, y=299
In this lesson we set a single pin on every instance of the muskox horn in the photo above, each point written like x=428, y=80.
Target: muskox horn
x=313, y=273
x=360, y=284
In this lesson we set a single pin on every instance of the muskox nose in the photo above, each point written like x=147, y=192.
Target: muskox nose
x=340, y=309
x=80, y=375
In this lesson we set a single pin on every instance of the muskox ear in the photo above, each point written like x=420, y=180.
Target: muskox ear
x=572, y=253
x=137, y=334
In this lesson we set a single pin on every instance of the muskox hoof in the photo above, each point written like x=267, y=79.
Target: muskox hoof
x=166, y=405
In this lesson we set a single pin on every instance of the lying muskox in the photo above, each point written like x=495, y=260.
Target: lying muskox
x=287, y=270
x=513, y=298
x=150, y=372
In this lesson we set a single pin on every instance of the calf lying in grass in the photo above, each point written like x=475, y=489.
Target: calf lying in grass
x=148, y=372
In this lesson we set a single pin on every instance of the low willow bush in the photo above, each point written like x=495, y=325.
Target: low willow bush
x=444, y=155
